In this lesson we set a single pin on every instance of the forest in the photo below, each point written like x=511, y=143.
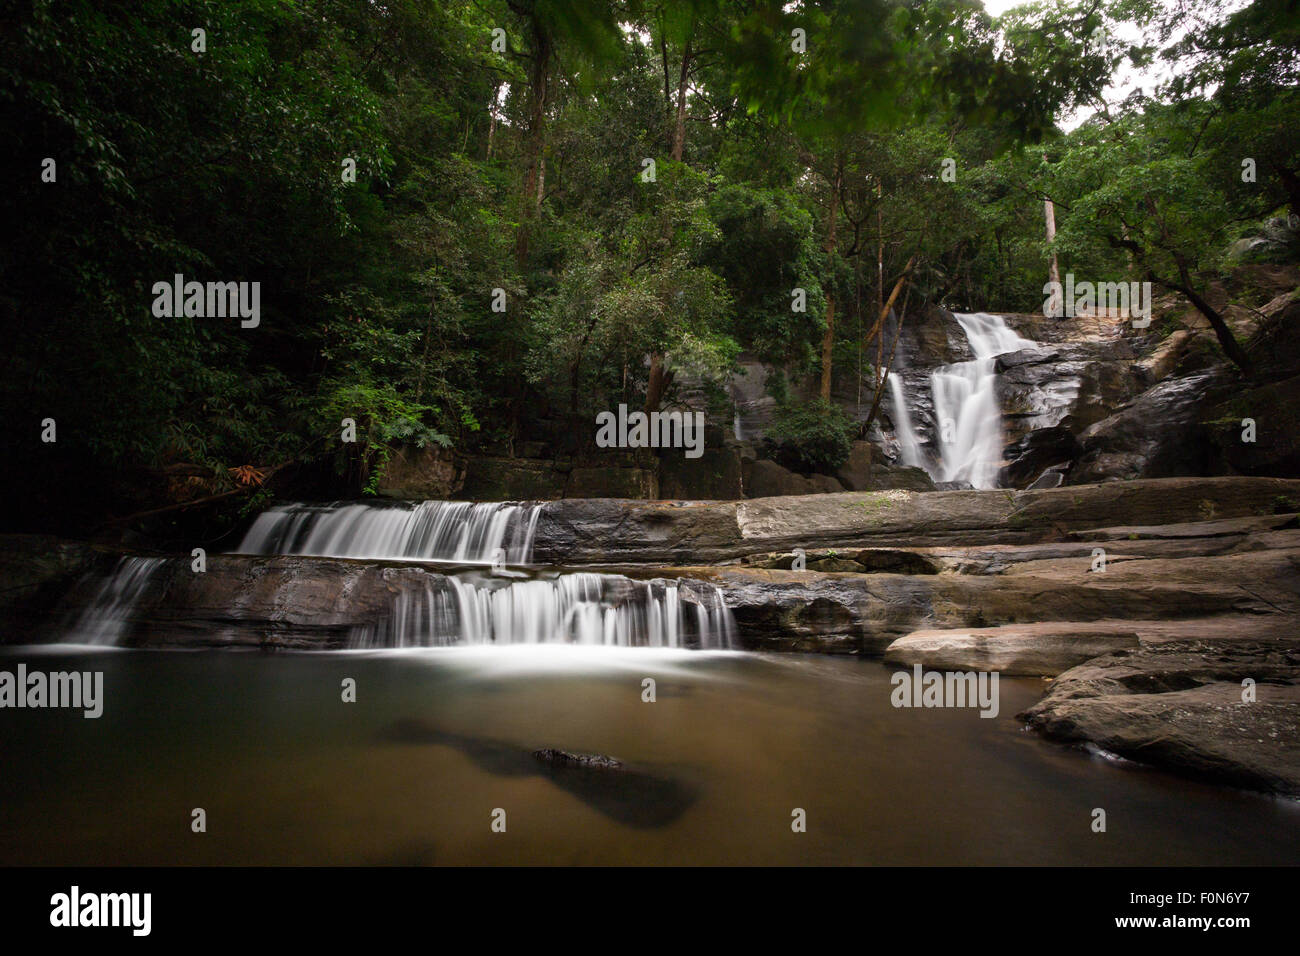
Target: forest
x=476, y=224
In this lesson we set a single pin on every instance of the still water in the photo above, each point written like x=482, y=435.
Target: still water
x=438, y=739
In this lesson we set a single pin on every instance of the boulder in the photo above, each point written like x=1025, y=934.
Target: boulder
x=1156, y=435
x=1036, y=452
x=1181, y=706
x=1275, y=446
x=419, y=474
x=855, y=474
x=766, y=479
x=1031, y=650
x=1051, y=478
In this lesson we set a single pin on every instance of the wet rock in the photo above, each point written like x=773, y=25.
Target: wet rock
x=1158, y=434
x=1051, y=478
x=635, y=797
x=693, y=533
x=1180, y=706
x=865, y=613
x=1038, y=451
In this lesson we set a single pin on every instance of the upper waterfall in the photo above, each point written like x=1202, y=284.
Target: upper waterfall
x=967, y=416
x=459, y=531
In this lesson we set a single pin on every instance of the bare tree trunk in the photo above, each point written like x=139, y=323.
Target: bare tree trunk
x=1054, y=272
x=880, y=248
x=492, y=123
x=889, y=363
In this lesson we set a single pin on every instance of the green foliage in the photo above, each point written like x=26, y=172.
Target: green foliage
x=382, y=418
x=377, y=294
x=814, y=437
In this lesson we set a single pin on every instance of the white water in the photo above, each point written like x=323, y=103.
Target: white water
x=967, y=417
x=908, y=445
x=585, y=609
x=456, y=531
x=470, y=609
x=109, y=613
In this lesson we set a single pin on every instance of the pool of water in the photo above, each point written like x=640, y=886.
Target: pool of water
x=439, y=739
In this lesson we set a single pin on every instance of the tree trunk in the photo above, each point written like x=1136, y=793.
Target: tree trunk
x=1231, y=347
x=660, y=378
x=828, y=340
x=492, y=123
x=538, y=81
x=679, y=126
x=1291, y=183
x=1054, y=273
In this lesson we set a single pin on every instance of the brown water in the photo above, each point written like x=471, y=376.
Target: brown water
x=412, y=772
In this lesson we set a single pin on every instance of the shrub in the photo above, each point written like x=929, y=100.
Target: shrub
x=813, y=437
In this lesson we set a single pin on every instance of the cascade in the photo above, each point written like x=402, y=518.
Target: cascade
x=458, y=531
x=968, y=419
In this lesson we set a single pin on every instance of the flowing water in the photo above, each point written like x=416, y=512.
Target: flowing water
x=404, y=749
x=967, y=416
x=458, y=531
x=438, y=739
x=454, y=608
x=579, y=608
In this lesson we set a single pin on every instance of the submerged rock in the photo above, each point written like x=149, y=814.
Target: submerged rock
x=563, y=758
x=635, y=797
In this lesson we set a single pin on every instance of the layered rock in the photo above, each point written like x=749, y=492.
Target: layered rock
x=634, y=532
x=1186, y=706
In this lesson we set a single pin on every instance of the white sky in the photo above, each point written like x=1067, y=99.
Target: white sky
x=1126, y=79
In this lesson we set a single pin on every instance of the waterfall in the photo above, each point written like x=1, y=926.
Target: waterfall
x=909, y=446
x=110, y=610
x=456, y=531
x=429, y=609
x=968, y=419
x=591, y=609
